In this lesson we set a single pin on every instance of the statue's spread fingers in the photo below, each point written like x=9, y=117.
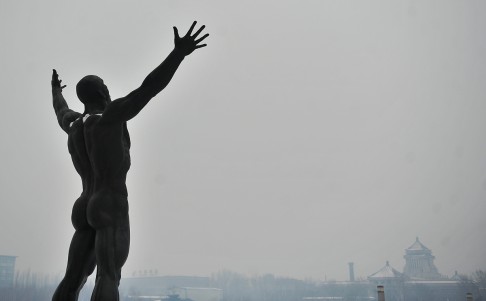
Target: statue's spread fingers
x=190, y=29
x=202, y=38
x=200, y=46
x=176, y=33
x=199, y=31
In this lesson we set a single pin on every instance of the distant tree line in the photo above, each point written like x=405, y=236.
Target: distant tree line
x=28, y=286
x=237, y=287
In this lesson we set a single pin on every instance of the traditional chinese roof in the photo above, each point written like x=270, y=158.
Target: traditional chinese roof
x=417, y=246
x=386, y=272
x=419, y=263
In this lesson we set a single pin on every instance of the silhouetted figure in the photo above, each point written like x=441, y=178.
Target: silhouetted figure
x=99, y=145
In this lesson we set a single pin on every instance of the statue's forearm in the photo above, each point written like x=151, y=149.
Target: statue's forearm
x=58, y=100
x=160, y=77
x=59, y=103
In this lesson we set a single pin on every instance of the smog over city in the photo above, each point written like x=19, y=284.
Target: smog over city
x=305, y=136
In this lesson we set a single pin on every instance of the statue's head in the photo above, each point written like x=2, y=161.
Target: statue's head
x=92, y=90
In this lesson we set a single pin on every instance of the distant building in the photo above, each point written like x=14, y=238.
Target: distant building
x=7, y=270
x=420, y=281
x=392, y=280
x=419, y=263
x=386, y=274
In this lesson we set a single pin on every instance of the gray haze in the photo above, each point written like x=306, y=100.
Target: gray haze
x=306, y=135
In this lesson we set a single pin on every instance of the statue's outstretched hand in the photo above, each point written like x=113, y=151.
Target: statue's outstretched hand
x=56, y=82
x=187, y=44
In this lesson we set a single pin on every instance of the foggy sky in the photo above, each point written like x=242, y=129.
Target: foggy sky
x=308, y=134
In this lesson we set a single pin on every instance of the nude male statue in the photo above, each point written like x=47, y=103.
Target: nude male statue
x=99, y=145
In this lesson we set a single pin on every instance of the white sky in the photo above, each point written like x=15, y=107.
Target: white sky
x=308, y=134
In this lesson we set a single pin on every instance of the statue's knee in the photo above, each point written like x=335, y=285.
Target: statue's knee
x=73, y=284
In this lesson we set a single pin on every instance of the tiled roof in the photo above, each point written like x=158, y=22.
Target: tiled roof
x=417, y=246
x=386, y=272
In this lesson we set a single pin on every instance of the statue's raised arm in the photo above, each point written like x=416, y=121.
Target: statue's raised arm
x=64, y=115
x=125, y=108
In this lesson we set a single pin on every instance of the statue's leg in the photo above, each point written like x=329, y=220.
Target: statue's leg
x=81, y=263
x=111, y=247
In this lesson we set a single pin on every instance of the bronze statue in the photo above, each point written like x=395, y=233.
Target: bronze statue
x=99, y=145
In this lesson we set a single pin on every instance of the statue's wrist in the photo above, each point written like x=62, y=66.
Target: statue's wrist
x=56, y=89
x=179, y=52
